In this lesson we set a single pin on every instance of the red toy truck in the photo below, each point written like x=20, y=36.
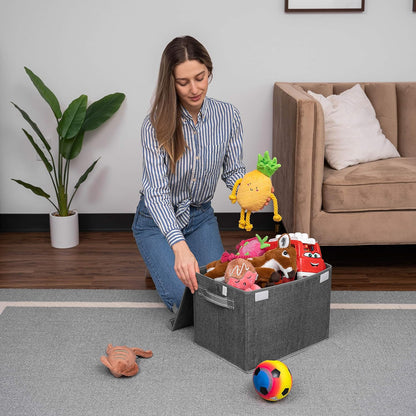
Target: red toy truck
x=308, y=254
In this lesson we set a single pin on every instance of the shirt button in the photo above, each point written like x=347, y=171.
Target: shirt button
x=197, y=157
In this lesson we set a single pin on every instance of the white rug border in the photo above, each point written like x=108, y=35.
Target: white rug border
x=57, y=304
x=143, y=305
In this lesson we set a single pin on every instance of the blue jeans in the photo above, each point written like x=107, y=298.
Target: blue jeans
x=201, y=234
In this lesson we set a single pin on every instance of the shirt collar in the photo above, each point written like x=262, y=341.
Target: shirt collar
x=202, y=112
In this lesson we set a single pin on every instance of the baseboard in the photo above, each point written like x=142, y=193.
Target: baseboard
x=227, y=221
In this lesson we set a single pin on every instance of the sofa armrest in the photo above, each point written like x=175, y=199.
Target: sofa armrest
x=298, y=144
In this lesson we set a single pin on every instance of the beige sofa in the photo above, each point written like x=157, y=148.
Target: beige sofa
x=367, y=204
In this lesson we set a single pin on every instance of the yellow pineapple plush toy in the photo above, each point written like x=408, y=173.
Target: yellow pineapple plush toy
x=253, y=190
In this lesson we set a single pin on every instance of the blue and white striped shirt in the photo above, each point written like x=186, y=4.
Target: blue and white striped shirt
x=215, y=142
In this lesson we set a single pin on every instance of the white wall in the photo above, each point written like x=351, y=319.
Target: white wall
x=102, y=46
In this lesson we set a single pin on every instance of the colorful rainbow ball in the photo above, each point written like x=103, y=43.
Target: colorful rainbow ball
x=272, y=380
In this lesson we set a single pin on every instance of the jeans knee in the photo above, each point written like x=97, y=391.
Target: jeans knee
x=171, y=294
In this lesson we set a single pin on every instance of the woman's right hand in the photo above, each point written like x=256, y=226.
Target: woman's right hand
x=186, y=265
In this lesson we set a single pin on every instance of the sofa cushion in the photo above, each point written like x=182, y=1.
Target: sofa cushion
x=383, y=97
x=352, y=132
x=388, y=184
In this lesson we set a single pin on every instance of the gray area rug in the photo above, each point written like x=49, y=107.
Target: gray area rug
x=50, y=360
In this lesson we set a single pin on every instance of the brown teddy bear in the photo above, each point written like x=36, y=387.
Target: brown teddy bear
x=121, y=361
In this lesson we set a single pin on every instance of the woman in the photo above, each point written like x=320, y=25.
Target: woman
x=188, y=141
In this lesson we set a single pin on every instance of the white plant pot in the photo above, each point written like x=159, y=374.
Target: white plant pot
x=64, y=230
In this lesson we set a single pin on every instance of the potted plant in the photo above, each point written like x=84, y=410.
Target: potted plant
x=72, y=125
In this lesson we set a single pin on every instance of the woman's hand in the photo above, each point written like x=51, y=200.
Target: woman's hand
x=185, y=265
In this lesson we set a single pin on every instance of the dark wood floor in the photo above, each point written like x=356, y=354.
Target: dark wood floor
x=110, y=260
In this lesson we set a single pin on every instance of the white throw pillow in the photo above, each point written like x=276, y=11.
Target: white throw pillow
x=352, y=132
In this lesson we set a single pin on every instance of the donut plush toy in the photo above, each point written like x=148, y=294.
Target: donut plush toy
x=237, y=268
x=240, y=273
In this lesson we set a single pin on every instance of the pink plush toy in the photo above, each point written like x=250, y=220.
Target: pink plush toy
x=247, y=249
x=238, y=268
x=247, y=282
x=253, y=247
x=240, y=273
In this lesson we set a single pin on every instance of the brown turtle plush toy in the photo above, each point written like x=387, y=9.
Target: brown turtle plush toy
x=121, y=361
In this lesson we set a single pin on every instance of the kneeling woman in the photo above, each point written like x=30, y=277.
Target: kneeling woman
x=188, y=141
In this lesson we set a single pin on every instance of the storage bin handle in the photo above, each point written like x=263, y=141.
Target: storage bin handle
x=222, y=301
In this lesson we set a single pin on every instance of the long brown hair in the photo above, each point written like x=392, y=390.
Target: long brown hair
x=165, y=114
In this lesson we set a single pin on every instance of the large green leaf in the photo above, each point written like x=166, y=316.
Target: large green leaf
x=36, y=190
x=81, y=180
x=100, y=111
x=73, y=118
x=85, y=175
x=39, y=151
x=46, y=93
x=34, y=126
x=71, y=148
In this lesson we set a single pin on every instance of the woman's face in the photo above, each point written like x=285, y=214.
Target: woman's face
x=191, y=82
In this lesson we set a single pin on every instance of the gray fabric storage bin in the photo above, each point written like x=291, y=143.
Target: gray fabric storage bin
x=247, y=328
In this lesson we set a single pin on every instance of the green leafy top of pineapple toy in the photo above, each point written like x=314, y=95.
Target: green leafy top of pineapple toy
x=266, y=165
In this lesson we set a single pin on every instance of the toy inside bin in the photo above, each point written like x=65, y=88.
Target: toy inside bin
x=308, y=254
